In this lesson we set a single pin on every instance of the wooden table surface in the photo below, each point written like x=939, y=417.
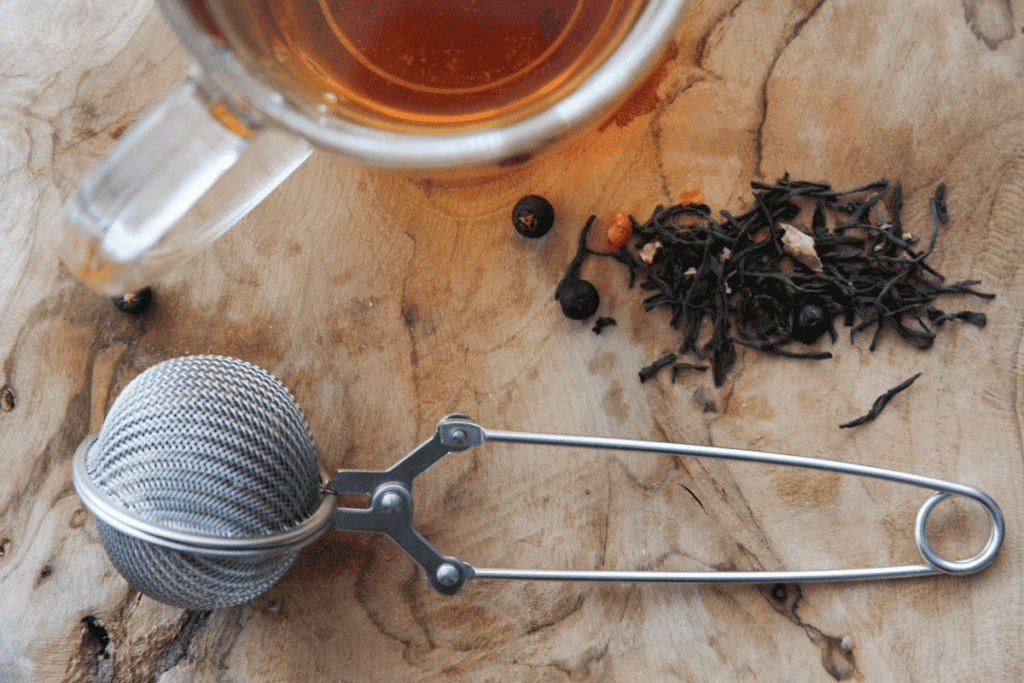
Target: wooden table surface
x=385, y=302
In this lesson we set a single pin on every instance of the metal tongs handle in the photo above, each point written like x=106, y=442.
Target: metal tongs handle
x=391, y=509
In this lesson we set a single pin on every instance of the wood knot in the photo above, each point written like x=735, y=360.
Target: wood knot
x=96, y=638
x=7, y=398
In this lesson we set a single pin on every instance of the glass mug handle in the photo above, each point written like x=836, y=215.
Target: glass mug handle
x=175, y=181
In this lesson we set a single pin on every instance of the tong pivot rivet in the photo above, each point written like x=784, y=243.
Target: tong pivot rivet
x=391, y=503
x=448, y=574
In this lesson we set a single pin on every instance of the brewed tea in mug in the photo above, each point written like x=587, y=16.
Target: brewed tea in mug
x=425, y=86
x=422, y=63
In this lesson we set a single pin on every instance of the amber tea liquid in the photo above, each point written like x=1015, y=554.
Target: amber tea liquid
x=451, y=63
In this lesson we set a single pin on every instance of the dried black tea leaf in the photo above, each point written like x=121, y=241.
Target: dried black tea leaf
x=880, y=403
x=676, y=367
x=649, y=371
x=602, y=323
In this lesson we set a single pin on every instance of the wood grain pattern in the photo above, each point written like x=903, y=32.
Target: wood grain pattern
x=385, y=301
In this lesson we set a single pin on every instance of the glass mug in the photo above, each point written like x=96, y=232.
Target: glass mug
x=421, y=85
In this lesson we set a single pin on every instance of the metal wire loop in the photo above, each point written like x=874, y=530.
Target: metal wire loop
x=972, y=564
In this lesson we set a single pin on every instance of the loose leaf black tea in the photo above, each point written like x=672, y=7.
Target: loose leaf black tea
x=880, y=402
x=676, y=367
x=652, y=369
x=602, y=323
x=937, y=317
x=740, y=275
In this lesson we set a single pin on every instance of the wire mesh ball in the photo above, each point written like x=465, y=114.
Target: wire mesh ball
x=207, y=445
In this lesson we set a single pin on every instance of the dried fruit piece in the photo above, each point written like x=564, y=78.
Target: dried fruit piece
x=650, y=251
x=800, y=246
x=620, y=230
x=691, y=196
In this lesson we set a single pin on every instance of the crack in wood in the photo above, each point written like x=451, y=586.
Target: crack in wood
x=794, y=33
x=178, y=649
x=602, y=555
x=9, y=378
x=583, y=669
x=99, y=662
x=95, y=658
x=695, y=498
x=658, y=485
x=571, y=672
x=746, y=518
x=561, y=616
x=658, y=563
x=700, y=48
x=202, y=641
x=387, y=621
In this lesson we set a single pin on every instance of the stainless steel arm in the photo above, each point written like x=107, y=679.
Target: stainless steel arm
x=392, y=504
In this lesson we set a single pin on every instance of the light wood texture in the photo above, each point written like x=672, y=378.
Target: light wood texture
x=386, y=302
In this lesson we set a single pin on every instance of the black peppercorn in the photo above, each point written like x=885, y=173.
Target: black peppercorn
x=579, y=299
x=136, y=302
x=533, y=216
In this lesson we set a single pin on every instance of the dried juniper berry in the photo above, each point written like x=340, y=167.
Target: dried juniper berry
x=810, y=321
x=135, y=302
x=533, y=216
x=579, y=299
